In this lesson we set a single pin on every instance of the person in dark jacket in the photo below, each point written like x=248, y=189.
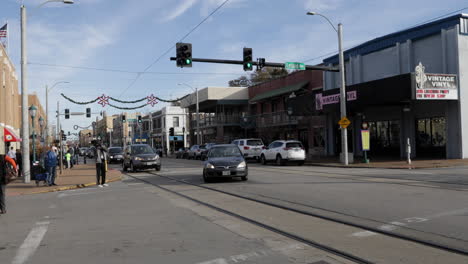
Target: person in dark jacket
x=2, y=184
x=19, y=162
x=100, y=154
x=51, y=166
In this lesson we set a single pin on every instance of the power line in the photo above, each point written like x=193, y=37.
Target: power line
x=172, y=46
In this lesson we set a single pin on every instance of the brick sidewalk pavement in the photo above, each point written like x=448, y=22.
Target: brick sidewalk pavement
x=80, y=176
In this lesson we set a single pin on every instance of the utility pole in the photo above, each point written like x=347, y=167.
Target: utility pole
x=344, y=131
x=24, y=100
x=59, y=133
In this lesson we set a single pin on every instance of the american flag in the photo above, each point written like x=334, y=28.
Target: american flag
x=3, y=31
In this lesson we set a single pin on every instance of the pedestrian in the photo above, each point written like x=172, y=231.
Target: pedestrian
x=19, y=162
x=77, y=154
x=68, y=158
x=100, y=154
x=7, y=174
x=12, y=153
x=51, y=166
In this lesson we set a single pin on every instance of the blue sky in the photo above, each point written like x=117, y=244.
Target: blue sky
x=129, y=35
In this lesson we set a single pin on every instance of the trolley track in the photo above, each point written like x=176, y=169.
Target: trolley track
x=432, y=244
x=295, y=237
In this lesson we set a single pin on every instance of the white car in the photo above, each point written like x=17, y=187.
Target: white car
x=251, y=148
x=283, y=151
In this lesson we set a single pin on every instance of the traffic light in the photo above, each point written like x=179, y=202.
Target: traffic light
x=139, y=119
x=171, y=131
x=67, y=113
x=261, y=63
x=184, y=54
x=123, y=119
x=88, y=112
x=248, y=65
x=69, y=133
x=64, y=137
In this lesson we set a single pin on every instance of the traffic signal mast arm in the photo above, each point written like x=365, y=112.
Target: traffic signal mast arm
x=266, y=64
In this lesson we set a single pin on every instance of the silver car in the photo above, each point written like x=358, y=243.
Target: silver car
x=139, y=157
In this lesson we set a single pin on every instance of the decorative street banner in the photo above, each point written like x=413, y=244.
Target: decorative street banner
x=429, y=86
x=321, y=100
x=365, y=140
x=103, y=100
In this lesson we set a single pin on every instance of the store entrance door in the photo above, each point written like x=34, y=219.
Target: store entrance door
x=431, y=137
x=384, y=138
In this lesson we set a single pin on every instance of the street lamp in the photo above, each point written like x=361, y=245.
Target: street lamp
x=344, y=131
x=24, y=91
x=198, y=116
x=32, y=113
x=47, y=90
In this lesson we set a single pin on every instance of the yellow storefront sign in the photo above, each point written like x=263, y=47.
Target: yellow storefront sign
x=365, y=140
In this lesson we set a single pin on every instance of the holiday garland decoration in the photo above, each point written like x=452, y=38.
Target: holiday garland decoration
x=104, y=100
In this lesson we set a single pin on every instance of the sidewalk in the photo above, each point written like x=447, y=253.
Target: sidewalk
x=393, y=164
x=80, y=176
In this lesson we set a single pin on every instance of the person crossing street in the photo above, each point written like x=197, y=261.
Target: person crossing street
x=100, y=154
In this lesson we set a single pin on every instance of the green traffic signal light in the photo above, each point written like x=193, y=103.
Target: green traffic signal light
x=188, y=61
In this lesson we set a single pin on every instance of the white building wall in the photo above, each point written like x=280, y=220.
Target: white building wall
x=463, y=81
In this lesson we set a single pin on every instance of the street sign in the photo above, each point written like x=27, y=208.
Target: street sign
x=344, y=122
x=294, y=66
x=176, y=138
x=365, y=140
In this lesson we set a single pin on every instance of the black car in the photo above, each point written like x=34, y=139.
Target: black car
x=140, y=156
x=194, y=152
x=115, y=154
x=205, y=149
x=181, y=153
x=225, y=161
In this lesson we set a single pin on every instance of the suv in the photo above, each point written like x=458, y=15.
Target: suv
x=140, y=156
x=250, y=148
x=282, y=151
x=115, y=154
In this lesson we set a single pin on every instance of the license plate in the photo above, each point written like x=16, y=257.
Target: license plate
x=226, y=173
x=150, y=163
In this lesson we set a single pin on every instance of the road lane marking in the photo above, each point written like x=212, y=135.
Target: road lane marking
x=363, y=234
x=30, y=244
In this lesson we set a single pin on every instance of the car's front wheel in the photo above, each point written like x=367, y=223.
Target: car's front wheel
x=124, y=168
x=279, y=161
x=132, y=168
x=158, y=168
x=263, y=160
x=205, y=177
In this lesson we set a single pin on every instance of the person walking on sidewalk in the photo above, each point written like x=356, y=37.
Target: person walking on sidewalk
x=19, y=162
x=68, y=158
x=51, y=166
x=100, y=153
x=12, y=153
x=7, y=174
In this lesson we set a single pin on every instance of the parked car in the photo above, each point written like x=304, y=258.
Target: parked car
x=205, y=150
x=90, y=152
x=284, y=151
x=194, y=152
x=83, y=151
x=251, y=148
x=115, y=154
x=225, y=161
x=140, y=156
x=181, y=153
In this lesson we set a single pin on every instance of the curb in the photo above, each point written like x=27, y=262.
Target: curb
x=389, y=168
x=78, y=186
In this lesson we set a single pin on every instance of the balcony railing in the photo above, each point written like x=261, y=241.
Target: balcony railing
x=208, y=121
x=275, y=119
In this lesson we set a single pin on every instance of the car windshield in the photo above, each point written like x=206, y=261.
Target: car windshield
x=254, y=142
x=142, y=150
x=294, y=145
x=229, y=151
x=115, y=150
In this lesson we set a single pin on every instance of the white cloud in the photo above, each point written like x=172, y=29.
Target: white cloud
x=179, y=9
x=321, y=5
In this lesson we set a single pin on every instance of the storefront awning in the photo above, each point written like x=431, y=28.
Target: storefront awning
x=10, y=135
x=280, y=91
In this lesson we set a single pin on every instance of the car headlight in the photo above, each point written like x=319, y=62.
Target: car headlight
x=157, y=157
x=209, y=166
x=138, y=158
x=111, y=157
x=242, y=165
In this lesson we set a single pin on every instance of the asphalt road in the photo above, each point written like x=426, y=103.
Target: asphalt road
x=132, y=222
x=429, y=204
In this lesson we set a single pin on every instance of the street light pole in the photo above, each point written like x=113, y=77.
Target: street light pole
x=24, y=92
x=198, y=114
x=47, y=111
x=344, y=131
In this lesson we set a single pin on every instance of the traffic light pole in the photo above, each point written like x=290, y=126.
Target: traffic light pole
x=266, y=64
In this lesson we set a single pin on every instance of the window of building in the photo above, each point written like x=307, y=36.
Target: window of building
x=175, y=121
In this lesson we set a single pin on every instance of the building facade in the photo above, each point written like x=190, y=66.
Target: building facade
x=122, y=132
x=221, y=113
x=104, y=128
x=159, y=127
x=274, y=111
x=409, y=87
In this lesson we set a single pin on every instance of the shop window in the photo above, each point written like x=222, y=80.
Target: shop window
x=384, y=136
x=431, y=132
x=175, y=121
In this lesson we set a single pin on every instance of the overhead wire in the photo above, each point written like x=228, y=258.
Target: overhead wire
x=172, y=46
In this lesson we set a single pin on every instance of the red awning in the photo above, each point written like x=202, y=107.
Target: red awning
x=10, y=135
